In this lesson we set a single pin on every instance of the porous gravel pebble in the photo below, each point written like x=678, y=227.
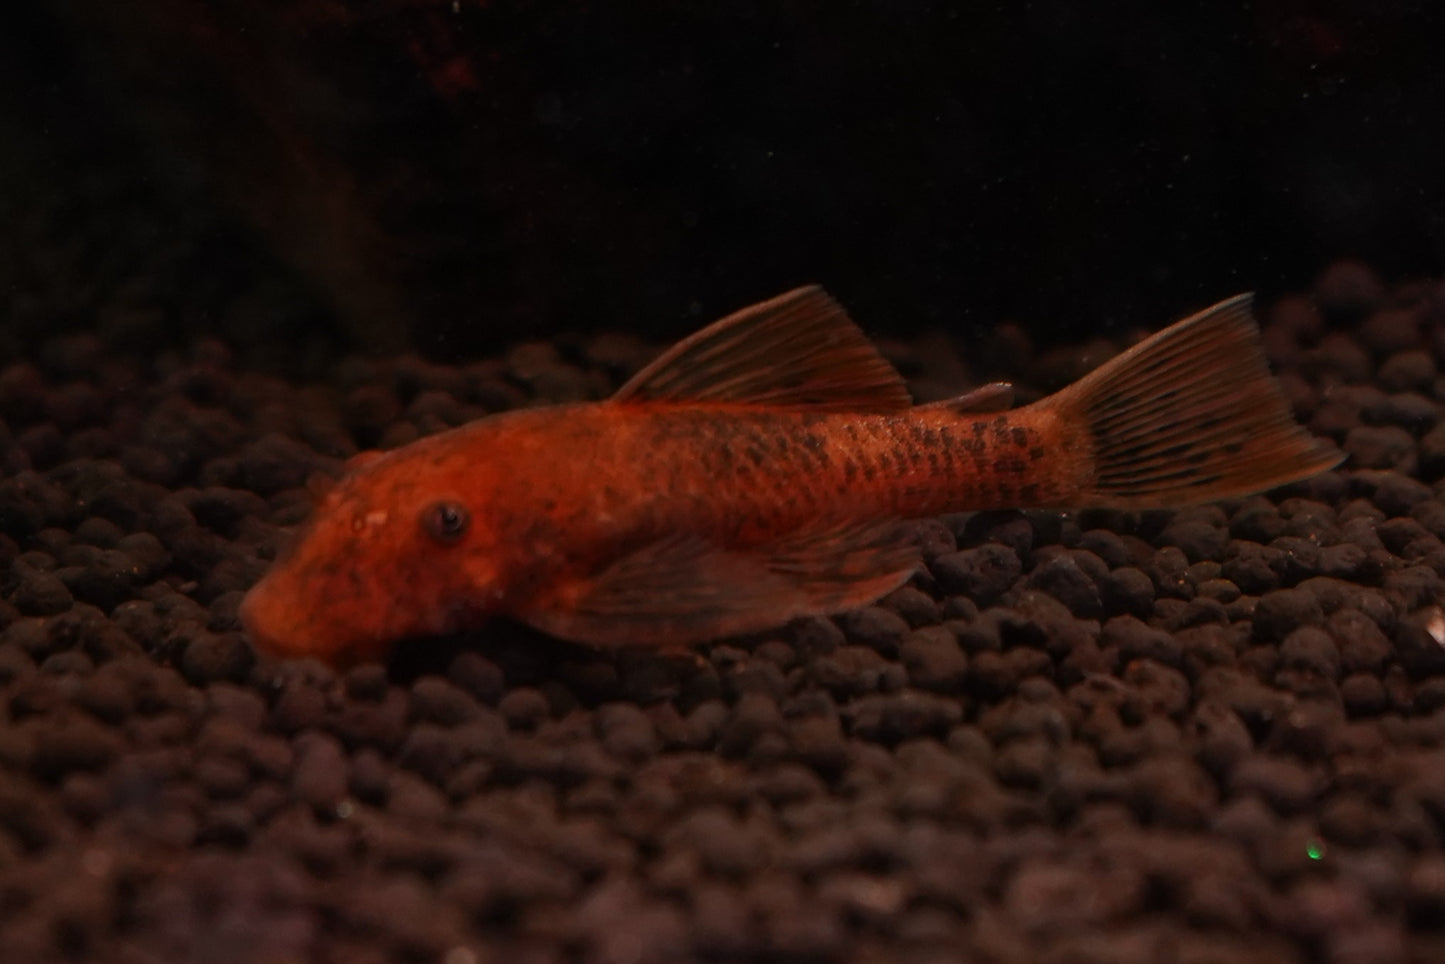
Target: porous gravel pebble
x=1212, y=734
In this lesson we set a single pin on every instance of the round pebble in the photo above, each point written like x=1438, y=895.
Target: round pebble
x=983, y=574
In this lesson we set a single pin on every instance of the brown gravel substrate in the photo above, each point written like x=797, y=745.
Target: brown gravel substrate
x=1212, y=735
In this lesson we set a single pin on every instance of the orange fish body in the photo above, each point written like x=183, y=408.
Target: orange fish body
x=755, y=473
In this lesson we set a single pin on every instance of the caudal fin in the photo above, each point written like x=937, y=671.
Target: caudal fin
x=1190, y=415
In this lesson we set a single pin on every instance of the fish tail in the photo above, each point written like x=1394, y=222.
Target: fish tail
x=1189, y=415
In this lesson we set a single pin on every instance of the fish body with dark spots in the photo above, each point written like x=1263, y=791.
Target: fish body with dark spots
x=754, y=473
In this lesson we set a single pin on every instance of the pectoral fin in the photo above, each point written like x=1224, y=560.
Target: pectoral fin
x=676, y=592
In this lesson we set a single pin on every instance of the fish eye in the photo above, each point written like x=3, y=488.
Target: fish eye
x=446, y=522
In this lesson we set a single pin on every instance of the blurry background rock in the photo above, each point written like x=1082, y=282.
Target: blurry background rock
x=451, y=174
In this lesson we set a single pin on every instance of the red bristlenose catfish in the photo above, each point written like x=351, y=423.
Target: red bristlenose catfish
x=756, y=472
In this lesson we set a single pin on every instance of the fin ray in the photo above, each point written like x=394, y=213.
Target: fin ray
x=683, y=590
x=993, y=397
x=1190, y=415
x=798, y=350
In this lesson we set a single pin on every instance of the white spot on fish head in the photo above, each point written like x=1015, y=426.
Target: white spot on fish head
x=369, y=521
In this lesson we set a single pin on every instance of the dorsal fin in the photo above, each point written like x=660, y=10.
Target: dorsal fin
x=993, y=397
x=798, y=350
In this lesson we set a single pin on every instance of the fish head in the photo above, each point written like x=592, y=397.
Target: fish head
x=392, y=550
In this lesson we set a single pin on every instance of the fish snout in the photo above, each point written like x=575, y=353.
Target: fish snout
x=286, y=622
x=278, y=623
x=261, y=618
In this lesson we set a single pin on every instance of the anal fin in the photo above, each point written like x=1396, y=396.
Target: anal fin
x=683, y=590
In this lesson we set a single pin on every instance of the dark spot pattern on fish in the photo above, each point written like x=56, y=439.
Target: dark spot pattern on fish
x=816, y=450
x=719, y=459
x=1000, y=435
x=915, y=491
x=891, y=463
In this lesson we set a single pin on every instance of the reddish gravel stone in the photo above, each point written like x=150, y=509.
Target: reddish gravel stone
x=1135, y=640
x=478, y=676
x=850, y=671
x=297, y=707
x=890, y=718
x=983, y=574
x=1417, y=643
x=105, y=696
x=213, y=657
x=1279, y=612
x=874, y=627
x=62, y=745
x=1311, y=650
x=1411, y=369
x=435, y=700
x=915, y=606
x=1349, y=561
x=1391, y=330
x=380, y=724
x=41, y=594
x=367, y=683
x=1363, y=694
x=320, y=779
x=934, y=659
x=1383, y=447
x=1287, y=786
x=1411, y=411
x=1064, y=578
x=1432, y=454
x=1127, y=591
x=1196, y=538
x=524, y=709
x=1168, y=569
x=1413, y=587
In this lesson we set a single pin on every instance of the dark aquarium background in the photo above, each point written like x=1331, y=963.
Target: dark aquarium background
x=451, y=176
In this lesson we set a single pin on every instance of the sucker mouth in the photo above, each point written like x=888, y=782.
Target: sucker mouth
x=267, y=626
